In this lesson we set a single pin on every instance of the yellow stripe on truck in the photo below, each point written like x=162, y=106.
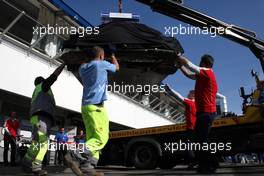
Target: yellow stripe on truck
x=147, y=131
x=252, y=115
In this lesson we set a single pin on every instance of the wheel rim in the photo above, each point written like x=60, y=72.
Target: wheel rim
x=143, y=155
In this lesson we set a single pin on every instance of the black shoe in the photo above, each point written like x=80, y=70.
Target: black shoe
x=206, y=170
x=191, y=165
x=26, y=169
x=26, y=165
x=74, y=165
x=40, y=172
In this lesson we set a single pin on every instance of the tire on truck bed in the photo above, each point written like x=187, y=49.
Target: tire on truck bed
x=144, y=155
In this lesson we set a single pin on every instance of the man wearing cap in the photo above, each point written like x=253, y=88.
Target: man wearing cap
x=42, y=114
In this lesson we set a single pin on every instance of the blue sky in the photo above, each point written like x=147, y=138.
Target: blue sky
x=233, y=62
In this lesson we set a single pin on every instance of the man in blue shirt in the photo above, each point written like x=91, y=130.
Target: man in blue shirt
x=80, y=139
x=95, y=81
x=62, y=139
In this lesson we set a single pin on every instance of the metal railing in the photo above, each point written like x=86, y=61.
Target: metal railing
x=39, y=44
x=172, y=109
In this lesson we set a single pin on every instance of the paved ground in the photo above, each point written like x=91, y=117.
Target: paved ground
x=119, y=171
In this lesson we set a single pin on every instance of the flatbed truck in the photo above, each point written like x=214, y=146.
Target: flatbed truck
x=147, y=148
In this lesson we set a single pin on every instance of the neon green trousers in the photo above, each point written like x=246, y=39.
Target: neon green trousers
x=96, y=124
x=39, y=146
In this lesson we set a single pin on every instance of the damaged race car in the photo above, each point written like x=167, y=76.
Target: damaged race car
x=145, y=55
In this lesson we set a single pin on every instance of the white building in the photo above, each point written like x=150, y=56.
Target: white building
x=25, y=55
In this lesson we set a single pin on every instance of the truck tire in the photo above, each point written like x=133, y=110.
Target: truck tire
x=145, y=156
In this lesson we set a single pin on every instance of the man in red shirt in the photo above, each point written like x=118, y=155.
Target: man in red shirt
x=190, y=117
x=190, y=108
x=205, y=100
x=11, y=127
x=190, y=111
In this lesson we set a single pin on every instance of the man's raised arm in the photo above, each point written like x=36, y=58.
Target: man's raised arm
x=177, y=94
x=188, y=68
x=47, y=83
x=115, y=62
x=58, y=70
